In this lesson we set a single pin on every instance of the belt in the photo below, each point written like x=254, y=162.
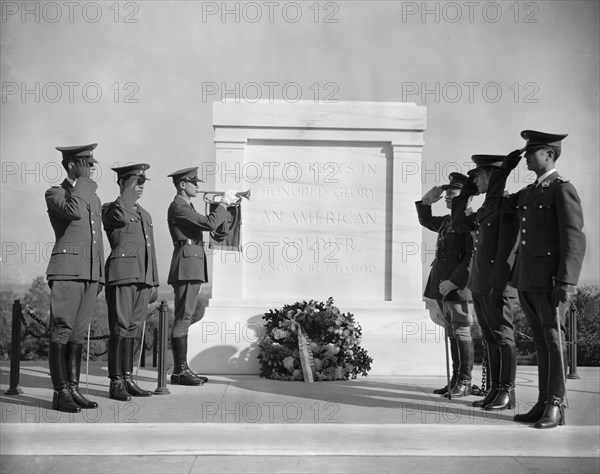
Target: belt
x=181, y=243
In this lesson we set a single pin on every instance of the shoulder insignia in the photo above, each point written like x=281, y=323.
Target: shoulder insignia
x=560, y=179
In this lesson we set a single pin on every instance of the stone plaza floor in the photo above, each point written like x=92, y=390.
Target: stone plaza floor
x=249, y=424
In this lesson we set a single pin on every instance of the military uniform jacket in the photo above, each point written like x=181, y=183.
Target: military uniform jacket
x=493, y=247
x=131, y=237
x=189, y=260
x=452, y=256
x=74, y=212
x=551, y=244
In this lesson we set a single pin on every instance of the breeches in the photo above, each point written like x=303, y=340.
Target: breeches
x=71, y=308
x=127, y=308
x=185, y=306
x=458, y=319
x=496, y=323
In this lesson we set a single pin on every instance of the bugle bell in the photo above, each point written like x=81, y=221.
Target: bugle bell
x=209, y=196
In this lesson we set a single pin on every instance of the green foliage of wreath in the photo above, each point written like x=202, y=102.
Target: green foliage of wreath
x=335, y=342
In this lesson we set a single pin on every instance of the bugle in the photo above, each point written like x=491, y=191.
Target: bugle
x=209, y=196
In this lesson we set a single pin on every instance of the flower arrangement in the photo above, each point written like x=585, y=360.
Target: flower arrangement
x=335, y=343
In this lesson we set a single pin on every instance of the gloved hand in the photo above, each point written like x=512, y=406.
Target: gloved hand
x=512, y=160
x=81, y=169
x=153, y=295
x=446, y=287
x=497, y=296
x=433, y=195
x=469, y=188
x=229, y=197
x=560, y=293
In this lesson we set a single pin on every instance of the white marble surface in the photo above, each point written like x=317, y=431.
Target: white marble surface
x=331, y=214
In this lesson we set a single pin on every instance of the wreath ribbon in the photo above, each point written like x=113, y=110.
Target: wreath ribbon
x=306, y=355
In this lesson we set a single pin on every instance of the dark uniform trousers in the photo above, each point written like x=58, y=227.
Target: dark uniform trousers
x=541, y=316
x=551, y=246
x=186, y=294
x=496, y=322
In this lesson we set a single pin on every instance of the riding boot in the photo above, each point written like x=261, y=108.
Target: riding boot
x=493, y=351
x=73, y=372
x=536, y=412
x=554, y=414
x=62, y=400
x=118, y=390
x=455, y=364
x=508, y=373
x=462, y=387
x=130, y=385
x=182, y=375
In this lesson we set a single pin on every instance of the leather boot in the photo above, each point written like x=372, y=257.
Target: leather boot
x=466, y=355
x=455, y=363
x=118, y=390
x=62, y=400
x=461, y=388
x=504, y=399
x=508, y=373
x=493, y=369
x=130, y=385
x=533, y=415
x=554, y=414
x=73, y=372
x=182, y=375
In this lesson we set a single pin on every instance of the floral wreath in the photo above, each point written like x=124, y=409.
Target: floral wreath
x=334, y=339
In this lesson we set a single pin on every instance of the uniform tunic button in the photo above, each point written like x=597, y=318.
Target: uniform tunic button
x=549, y=253
x=523, y=230
x=523, y=242
x=523, y=219
x=524, y=207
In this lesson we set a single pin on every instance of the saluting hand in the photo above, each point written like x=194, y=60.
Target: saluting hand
x=81, y=169
x=433, y=195
x=512, y=160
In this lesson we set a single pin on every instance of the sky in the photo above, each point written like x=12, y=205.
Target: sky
x=139, y=78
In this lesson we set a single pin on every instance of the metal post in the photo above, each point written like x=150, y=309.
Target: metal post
x=572, y=344
x=163, y=325
x=15, y=349
x=155, y=348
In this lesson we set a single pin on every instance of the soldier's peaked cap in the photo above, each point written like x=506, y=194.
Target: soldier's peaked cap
x=485, y=161
x=456, y=181
x=186, y=173
x=84, y=152
x=541, y=139
x=138, y=169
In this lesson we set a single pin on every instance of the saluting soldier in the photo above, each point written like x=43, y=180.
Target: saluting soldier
x=551, y=246
x=131, y=277
x=447, y=283
x=75, y=274
x=188, y=265
x=493, y=298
